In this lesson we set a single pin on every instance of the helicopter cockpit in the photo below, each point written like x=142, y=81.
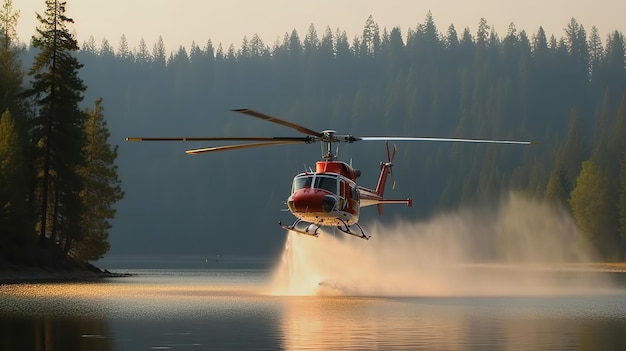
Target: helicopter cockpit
x=326, y=182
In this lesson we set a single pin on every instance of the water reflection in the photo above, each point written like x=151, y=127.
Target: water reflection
x=452, y=324
x=52, y=333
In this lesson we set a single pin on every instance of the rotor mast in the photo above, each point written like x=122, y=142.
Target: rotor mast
x=329, y=137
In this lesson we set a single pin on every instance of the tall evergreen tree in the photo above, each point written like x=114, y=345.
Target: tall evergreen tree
x=602, y=131
x=12, y=179
x=596, y=51
x=57, y=130
x=106, y=50
x=158, y=53
x=143, y=55
x=122, y=51
x=614, y=65
x=90, y=45
x=593, y=210
x=370, y=40
x=101, y=187
x=574, y=152
x=617, y=143
x=557, y=188
x=8, y=24
x=311, y=41
x=10, y=66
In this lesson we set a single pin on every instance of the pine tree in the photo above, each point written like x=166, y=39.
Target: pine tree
x=602, y=117
x=10, y=66
x=596, y=52
x=123, y=52
x=593, y=209
x=8, y=24
x=557, y=188
x=142, y=55
x=311, y=41
x=12, y=185
x=617, y=143
x=57, y=128
x=574, y=151
x=101, y=187
x=106, y=50
x=158, y=53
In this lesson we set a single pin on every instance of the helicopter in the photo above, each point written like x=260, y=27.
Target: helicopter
x=329, y=196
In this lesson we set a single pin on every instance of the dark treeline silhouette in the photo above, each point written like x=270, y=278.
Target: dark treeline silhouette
x=567, y=93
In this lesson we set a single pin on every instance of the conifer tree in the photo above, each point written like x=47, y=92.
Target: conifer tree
x=8, y=24
x=574, y=150
x=593, y=209
x=123, y=52
x=101, y=187
x=106, y=50
x=10, y=66
x=158, y=53
x=557, y=188
x=602, y=132
x=12, y=185
x=617, y=143
x=57, y=128
x=143, y=55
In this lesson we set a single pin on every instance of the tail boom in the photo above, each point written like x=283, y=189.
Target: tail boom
x=371, y=197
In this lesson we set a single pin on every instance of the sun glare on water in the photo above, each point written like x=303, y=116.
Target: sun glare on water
x=521, y=247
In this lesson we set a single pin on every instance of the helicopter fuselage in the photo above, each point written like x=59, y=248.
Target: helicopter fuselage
x=327, y=197
x=330, y=197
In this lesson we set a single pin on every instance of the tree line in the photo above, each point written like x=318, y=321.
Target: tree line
x=569, y=93
x=58, y=178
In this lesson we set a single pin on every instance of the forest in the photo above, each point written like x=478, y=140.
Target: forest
x=58, y=178
x=568, y=93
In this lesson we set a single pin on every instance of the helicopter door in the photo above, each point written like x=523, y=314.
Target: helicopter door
x=344, y=192
x=353, y=199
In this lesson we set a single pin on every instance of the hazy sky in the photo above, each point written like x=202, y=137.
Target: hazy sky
x=181, y=22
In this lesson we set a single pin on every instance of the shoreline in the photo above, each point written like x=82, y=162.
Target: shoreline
x=87, y=272
x=45, y=274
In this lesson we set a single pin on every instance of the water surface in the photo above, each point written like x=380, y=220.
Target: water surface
x=236, y=309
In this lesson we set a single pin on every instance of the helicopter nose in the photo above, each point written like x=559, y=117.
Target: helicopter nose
x=311, y=201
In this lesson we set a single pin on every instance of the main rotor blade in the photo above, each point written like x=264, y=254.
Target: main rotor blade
x=456, y=140
x=268, y=118
x=240, y=146
x=294, y=139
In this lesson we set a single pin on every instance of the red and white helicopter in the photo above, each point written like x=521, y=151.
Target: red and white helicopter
x=329, y=196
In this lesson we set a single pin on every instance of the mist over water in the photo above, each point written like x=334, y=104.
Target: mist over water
x=518, y=247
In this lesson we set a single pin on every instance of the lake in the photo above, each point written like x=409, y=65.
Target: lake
x=227, y=307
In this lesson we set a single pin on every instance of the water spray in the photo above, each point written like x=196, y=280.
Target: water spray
x=520, y=247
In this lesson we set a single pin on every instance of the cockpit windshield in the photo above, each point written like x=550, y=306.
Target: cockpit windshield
x=302, y=182
x=325, y=182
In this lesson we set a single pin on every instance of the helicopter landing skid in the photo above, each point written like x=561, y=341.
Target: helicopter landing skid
x=346, y=229
x=301, y=227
